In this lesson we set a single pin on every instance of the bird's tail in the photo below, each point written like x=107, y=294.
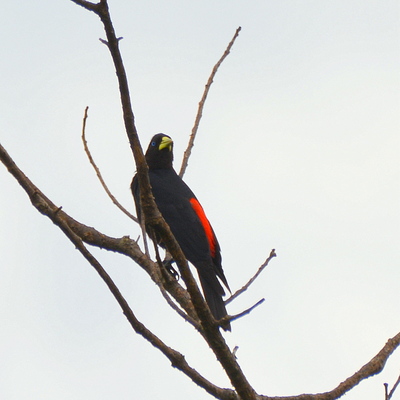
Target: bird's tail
x=213, y=293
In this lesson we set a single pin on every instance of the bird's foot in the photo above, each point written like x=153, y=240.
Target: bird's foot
x=168, y=261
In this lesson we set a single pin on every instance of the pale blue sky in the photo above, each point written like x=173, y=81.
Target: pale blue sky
x=298, y=150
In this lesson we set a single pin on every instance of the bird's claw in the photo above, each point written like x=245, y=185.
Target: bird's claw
x=168, y=266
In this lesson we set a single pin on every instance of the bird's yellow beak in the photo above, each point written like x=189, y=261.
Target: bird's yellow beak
x=166, y=142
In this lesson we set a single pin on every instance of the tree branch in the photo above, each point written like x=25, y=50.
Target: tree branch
x=97, y=170
x=124, y=245
x=167, y=297
x=176, y=358
x=388, y=395
x=77, y=233
x=154, y=219
x=192, y=137
x=88, y=5
x=245, y=312
x=246, y=286
x=373, y=367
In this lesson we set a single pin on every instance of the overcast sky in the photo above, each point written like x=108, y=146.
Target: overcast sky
x=298, y=150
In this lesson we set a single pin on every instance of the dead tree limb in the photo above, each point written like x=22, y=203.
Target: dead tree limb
x=195, y=128
x=97, y=170
x=373, y=367
x=247, y=285
x=77, y=233
x=154, y=219
x=389, y=394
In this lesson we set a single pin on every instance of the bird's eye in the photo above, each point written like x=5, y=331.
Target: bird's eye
x=153, y=143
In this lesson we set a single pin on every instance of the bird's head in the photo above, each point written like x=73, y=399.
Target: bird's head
x=159, y=154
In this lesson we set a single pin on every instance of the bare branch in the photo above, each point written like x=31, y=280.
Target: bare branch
x=176, y=358
x=97, y=170
x=188, y=151
x=389, y=395
x=77, y=232
x=144, y=236
x=88, y=5
x=124, y=245
x=172, y=304
x=373, y=367
x=246, y=286
x=154, y=220
x=230, y=318
x=153, y=217
x=394, y=388
x=185, y=316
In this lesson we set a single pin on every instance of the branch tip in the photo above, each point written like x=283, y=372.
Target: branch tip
x=203, y=99
x=104, y=42
x=97, y=170
x=272, y=254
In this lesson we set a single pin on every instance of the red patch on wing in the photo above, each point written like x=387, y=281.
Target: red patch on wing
x=198, y=209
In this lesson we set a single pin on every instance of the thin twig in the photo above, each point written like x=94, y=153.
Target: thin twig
x=246, y=286
x=389, y=395
x=173, y=305
x=165, y=294
x=144, y=235
x=386, y=391
x=97, y=170
x=88, y=5
x=188, y=151
x=243, y=313
x=373, y=367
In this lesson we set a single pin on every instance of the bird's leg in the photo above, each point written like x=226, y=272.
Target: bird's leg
x=167, y=262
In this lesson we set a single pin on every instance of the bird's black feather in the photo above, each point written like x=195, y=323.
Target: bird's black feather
x=173, y=198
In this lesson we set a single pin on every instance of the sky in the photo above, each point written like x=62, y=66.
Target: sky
x=297, y=150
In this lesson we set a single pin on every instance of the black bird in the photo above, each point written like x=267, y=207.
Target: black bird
x=186, y=219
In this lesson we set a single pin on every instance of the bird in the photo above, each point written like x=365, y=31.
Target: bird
x=187, y=221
